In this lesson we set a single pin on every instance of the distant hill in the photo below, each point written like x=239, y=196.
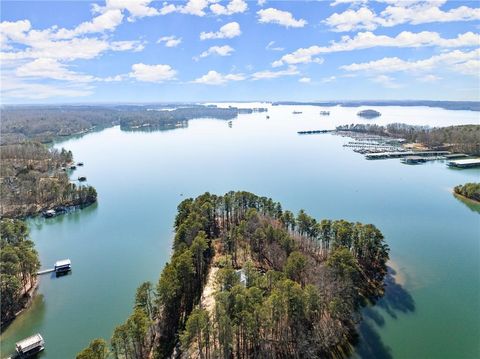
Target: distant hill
x=448, y=105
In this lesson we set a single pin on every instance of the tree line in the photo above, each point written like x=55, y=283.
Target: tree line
x=46, y=123
x=32, y=180
x=469, y=190
x=304, y=283
x=462, y=138
x=19, y=265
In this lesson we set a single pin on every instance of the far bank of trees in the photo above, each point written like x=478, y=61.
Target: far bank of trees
x=302, y=284
x=18, y=267
x=462, y=138
x=469, y=190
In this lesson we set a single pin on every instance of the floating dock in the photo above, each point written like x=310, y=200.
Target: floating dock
x=386, y=155
x=313, y=132
x=467, y=163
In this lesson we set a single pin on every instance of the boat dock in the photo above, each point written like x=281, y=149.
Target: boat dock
x=62, y=266
x=466, y=163
x=313, y=132
x=387, y=155
x=45, y=271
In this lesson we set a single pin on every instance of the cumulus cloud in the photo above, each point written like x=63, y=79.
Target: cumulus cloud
x=136, y=8
x=305, y=80
x=234, y=6
x=365, y=40
x=152, y=73
x=50, y=68
x=458, y=61
x=225, y=50
x=170, y=41
x=216, y=78
x=397, y=13
x=228, y=31
x=283, y=18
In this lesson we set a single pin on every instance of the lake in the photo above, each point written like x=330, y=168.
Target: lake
x=431, y=308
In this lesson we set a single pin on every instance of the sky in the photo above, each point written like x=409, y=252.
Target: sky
x=134, y=51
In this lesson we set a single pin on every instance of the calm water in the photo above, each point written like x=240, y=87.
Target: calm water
x=431, y=311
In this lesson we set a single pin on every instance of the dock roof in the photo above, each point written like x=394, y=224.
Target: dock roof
x=63, y=262
x=29, y=343
x=469, y=161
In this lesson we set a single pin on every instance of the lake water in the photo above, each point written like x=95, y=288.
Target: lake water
x=431, y=311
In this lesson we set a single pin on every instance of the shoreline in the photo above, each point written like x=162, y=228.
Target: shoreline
x=462, y=197
x=399, y=276
x=27, y=297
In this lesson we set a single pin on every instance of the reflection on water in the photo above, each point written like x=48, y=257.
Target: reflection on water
x=472, y=205
x=396, y=300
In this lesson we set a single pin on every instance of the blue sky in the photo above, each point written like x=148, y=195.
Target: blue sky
x=211, y=50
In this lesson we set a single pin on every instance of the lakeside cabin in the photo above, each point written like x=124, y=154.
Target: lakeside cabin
x=30, y=346
x=63, y=266
x=467, y=163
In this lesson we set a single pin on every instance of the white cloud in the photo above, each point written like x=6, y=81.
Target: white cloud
x=292, y=70
x=339, y=2
x=261, y=2
x=228, y=31
x=365, y=40
x=170, y=41
x=108, y=20
x=134, y=46
x=50, y=68
x=234, y=6
x=328, y=79
x=279, y=17
x=386, y=81
x=399, y=12
x=225, y=50
x=458, y=61
x=152, y=73
x=15, y=89
x=430, y=78
x=305, y=80
x=136, y=8
x=273, y=48
x=194, y=7
x=216, y=78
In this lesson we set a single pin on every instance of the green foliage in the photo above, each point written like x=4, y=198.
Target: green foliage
x=303, y=281
x=96, y=350
x=469, y=190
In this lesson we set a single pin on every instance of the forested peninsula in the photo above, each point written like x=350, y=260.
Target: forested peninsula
x=468, y=190
x=34, y=178
x=248, y=279
x=47, y=123
x=18, y=268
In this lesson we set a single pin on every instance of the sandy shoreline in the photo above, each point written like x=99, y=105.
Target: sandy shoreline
x=400, y=276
